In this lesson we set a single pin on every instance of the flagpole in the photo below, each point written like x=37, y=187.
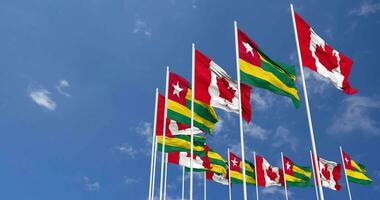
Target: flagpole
x=166, y=174
x=240, y=112
x=164, y=134
x=283, y=172
x=154, y=166
x=315, y=178
x=229, y=176
x=153, y=146
x=344, y=167
x=192, y=119
x=204, y=186
x=183, y=182
x=256, y=183
x=314, y=148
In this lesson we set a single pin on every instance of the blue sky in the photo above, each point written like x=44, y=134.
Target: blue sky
x=78, y=78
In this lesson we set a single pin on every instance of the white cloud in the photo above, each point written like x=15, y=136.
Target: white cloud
x=315, y=83
x=366, y=8
x=127, y=149
x=275, y=191
x=130, y=180
x=283, y=137
x=62, y=84
x=218, y=126
x=355, y=114
x=256, y=131
x=194, y=4
x=328, y=32
x=41, y=97
x=91, y=185
x=262, y=100
x=142, y=27
x=145, y=129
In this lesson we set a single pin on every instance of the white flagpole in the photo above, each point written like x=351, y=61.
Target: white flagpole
x=192, y=119
x=283, y=171
x=164, y=134
x=314, y=148
x=344, y=167
x=315, y=178
x=229, y=176
x=240, y=112
x=204, y=186
x=153, y=147
x=154, y=166
x=257, y=185
x=166, y=174
x=183, y=182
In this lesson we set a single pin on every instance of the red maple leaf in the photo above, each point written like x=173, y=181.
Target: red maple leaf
x=325, y=172
x=272, y=175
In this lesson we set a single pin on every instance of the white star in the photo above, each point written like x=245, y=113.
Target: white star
x=248, y=48
x=288, y=165
x=234, y=162
x=346, y=160
x=177, y=89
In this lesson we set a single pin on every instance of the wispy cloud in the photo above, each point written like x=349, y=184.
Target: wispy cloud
x=62, y=85
x=262, y=100
x=355, y=114
x=366, y=8
x=283, y=137
x=130, y=180
x=275, y=191
x=316, y=84
x=142, y=28
x=127, y=149
x=91, y=185
x=145, y=129
x=256, y=131
x=42, y=98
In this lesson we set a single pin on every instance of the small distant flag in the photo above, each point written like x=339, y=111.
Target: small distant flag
x=356, y=173
x=317, y=55
x=330, y=173
x=257, y=69
x=267, y=175
x=296, y=175
x=236, y=169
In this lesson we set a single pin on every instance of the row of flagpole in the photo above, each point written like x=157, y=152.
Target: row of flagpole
x=163, y=175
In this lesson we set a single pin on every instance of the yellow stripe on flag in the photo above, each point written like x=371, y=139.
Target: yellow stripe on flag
x=356, y=166
x=357, y=175
x=208, y=107
x=266, y=76
x=183, y=110
x=176, y=142
x=293, y=178
x=301, y=171
x=239, y=176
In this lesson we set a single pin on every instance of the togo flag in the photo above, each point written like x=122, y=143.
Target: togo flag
x=179, y=105
x=296, y=175
x=258, y=70
x=267, y=175
x=215, y=87
x=355, y=172
x=318, y=56
x=172, y=127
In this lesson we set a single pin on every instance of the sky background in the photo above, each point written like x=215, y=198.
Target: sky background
x=77, y=89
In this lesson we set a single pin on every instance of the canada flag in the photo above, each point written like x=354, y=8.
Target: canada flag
x=267, y=175
x=330, y=173
x=320, y=57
